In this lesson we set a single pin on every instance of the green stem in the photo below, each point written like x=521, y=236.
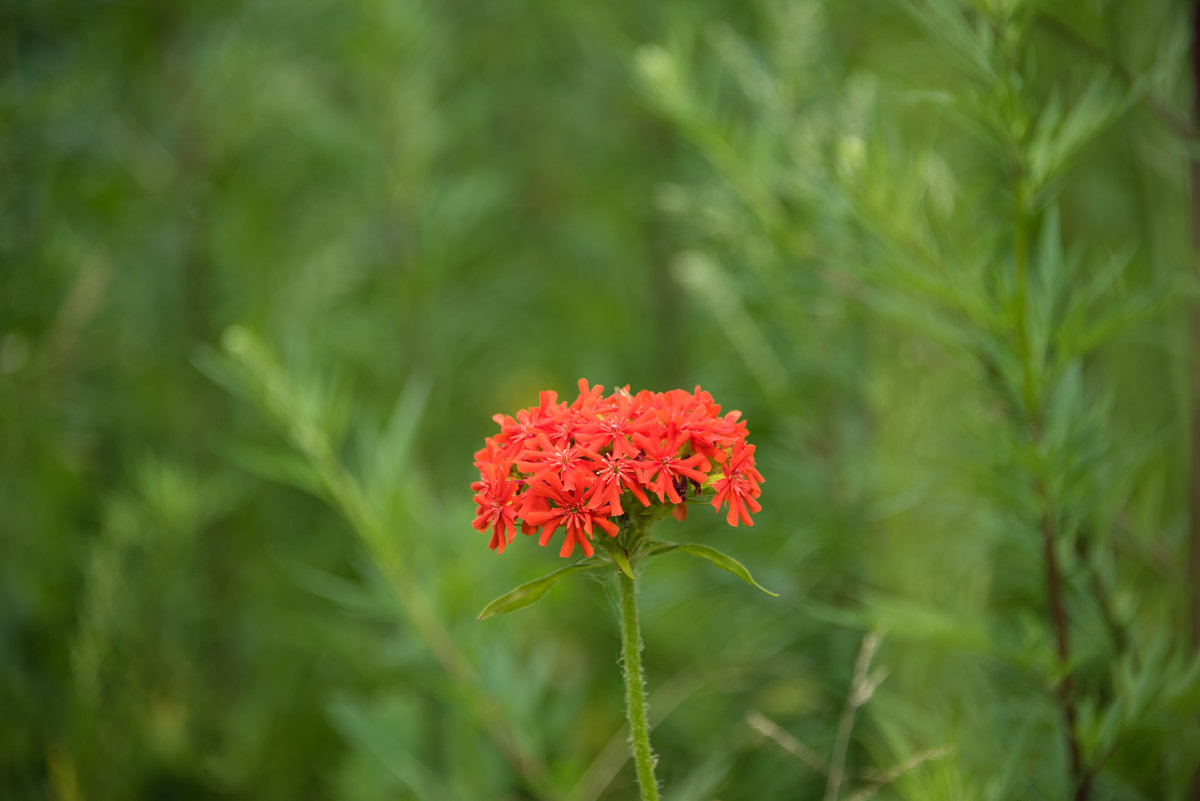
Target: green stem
x=635, y=689
x=1021, y=254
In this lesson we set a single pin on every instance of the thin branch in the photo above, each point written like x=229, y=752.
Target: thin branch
x=880, y=780
x=1031, y=424
x=1064, y=690
x=1178, y=125
x=784, y=739
x=862, y=687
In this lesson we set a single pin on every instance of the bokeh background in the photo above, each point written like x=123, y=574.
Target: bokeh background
x=268, y=268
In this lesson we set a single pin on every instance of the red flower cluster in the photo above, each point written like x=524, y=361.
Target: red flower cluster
x=575, y=465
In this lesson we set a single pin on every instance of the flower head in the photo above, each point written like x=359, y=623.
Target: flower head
x=588, y=465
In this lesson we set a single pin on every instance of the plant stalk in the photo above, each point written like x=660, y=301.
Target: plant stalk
x=1033, y=370
x=635, y=689
x=1065, y=689
x=1033, y=422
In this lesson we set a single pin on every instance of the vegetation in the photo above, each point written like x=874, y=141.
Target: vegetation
x=270, y=268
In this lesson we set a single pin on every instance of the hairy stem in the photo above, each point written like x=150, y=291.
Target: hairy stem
x=635, y=689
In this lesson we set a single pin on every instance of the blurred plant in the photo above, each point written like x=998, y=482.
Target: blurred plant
x=571, y=466
x=810, y=203
x=940, y=184
x=305, y=413
x=863, y=685
x=136, y=661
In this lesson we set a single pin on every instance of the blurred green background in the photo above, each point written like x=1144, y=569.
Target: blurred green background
x=267, y=269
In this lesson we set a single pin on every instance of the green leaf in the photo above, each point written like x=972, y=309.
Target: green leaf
x=531, y=592
x=723, y=561
x=388, y=452
x=618, y=555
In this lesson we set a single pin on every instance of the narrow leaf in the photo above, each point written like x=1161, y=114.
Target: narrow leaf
x=531, y=592
x=721, y=560
x=390, y=457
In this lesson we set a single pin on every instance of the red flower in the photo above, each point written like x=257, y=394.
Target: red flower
x=494, y=496
x=613, y=424
x=574, y=464
x=661, y=460
x=739, y=487
x=574, y=511
x=517, y=434
x=618, y=474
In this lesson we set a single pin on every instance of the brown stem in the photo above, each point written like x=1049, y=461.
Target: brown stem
x=1194, y=483
x=1194, y=478
x=1065, y=691
x=1034, y=419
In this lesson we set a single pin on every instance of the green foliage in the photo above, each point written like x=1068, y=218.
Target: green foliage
x=710, y=555
x=533, y=591
x=961, y=244
x=267, y=269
